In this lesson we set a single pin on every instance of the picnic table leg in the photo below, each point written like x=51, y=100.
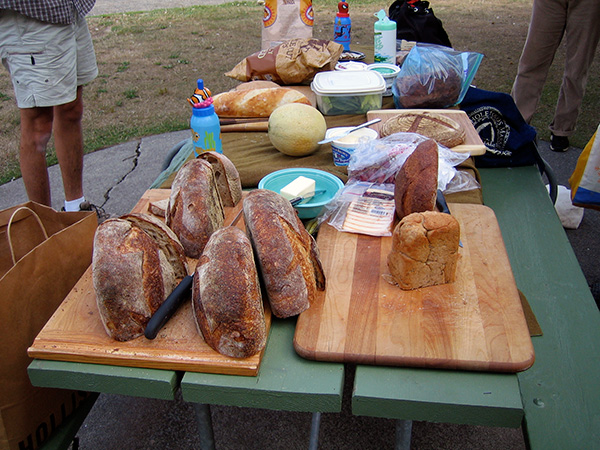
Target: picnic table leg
x=204, y=419
x=315, y=425
x=403, y=434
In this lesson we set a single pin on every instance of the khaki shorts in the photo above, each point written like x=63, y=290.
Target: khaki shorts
x=46, y=62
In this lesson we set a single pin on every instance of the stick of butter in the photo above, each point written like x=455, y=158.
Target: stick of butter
x=300, y=187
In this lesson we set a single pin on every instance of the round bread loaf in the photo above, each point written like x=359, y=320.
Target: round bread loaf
x=288, y=257
x=417, y=180
x=137, y=261
x=226, y=297
x=438, y=127
x=433, y=90
x=226, y=176
x=424, y=250
x=195, y=209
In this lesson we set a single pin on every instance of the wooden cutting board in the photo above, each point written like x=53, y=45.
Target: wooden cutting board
x=473, y=144
x=475, y=323
x=75, y=331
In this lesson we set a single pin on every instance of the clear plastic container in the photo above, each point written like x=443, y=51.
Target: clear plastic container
x=352, y=92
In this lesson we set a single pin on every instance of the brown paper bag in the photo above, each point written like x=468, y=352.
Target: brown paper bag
x=286, y=19
x=43, y=253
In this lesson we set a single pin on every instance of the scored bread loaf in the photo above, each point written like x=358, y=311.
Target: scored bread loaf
x=288, y=257
x=226, y=298
x=417, y=180
x=255, y=102
x=439, y=127
x=227, y=177
x=195, y=209
x=137, y=261
x=424, y=250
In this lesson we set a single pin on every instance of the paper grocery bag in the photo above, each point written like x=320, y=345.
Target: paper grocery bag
x=43, y=253
x=286, y=19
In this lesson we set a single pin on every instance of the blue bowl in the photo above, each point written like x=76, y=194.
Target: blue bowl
x=323, y=180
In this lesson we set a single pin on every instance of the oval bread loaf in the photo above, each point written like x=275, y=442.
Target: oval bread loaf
x=195, y=209
x=137, y=261
x=255, y=102
x=288, y=257
x=226, y=176
x=439, y=127
x=226, y=297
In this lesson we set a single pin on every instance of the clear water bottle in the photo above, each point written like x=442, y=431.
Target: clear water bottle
x=342, y=25
x=385, y=39
x=206, y=129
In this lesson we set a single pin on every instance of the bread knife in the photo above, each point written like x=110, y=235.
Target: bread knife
x=441, y=203
x=300, y=199
x=168, y=308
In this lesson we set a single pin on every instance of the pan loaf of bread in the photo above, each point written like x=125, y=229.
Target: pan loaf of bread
x=288, y=257
x=438, y=127
x=195, y=209
x=137, y=261
x=417, y=180
x=255, y=102
x=227, y=177
x=226, y=298
x=424, y=250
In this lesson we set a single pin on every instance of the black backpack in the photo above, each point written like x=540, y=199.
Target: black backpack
x=415, y=21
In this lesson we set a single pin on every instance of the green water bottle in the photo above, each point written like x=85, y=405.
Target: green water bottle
x=385, y=39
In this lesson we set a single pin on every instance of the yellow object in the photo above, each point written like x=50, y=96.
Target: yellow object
x=295, y=129
x=300, y=187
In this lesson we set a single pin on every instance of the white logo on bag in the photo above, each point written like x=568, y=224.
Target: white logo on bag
x=492, y=128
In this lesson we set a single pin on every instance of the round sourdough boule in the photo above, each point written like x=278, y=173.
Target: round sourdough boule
x=424, y=250
x=137, y=262
x=439, y=127
x=195, y=208
x=288, y=257
x=226, y=298
x=227, y=177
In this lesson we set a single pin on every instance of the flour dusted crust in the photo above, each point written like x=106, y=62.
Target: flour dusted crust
x=227, y=177
x=195, y=208
x=255, y=102
x=226, y=297
x=424, y=250
x=439, y=127
x=288, y=257
x=137, y=261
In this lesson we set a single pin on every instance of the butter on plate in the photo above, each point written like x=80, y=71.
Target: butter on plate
x=300, y=187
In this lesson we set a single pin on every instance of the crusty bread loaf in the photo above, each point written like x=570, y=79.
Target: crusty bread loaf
x=255, y=102
x=288, y=257
x=424, y=250
x=226, y=298
x=195, y=209
x=227, y=177
x=431, y=90
x=417, y=180
x=137, y=262
x=436, y=126
x=256, y=84
x=159, y=207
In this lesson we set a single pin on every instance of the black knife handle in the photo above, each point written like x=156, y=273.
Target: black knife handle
x=441, y=202
x=168, y=308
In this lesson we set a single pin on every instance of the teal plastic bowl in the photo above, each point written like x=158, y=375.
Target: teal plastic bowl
x=323, y=180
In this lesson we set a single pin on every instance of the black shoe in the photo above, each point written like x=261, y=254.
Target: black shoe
x=87, y=206
x=559, y=143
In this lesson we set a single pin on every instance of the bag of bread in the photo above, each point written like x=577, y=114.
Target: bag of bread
x=293, y=62
x=286, y=19
x=434, y=76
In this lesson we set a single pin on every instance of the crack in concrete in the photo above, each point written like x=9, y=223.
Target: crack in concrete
x=135, y=157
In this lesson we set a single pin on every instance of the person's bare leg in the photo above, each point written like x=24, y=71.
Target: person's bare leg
x=36, y=129
x=68, y=141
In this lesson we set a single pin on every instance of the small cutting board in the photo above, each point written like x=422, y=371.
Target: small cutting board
x=475, y=323
x=75, y=332
x=473, y=144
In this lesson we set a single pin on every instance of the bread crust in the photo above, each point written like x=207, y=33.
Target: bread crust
x=417, y=180
x=195, y=209
x=226, y=297
x=227, y=177
x=136, y=263
x=255, y=102
x=288, y=257
x=442, y=129
x=424, y=250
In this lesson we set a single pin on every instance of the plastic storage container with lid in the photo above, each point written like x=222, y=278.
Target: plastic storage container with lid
x=351, y=92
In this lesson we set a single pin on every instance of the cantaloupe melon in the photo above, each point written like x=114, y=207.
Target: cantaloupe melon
x=295, y=129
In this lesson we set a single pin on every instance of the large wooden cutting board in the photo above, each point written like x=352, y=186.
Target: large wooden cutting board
x=75, y=332
x=475, y=323
x=473, y=144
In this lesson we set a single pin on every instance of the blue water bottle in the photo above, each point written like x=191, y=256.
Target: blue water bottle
x=342, y=25
x=206, y=129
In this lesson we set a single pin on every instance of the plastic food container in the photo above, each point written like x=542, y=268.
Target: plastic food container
x=343, y=148
x=389, y=72
x=348, y=92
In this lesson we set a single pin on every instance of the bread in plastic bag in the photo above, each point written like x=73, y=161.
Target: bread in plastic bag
x=434, y=76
